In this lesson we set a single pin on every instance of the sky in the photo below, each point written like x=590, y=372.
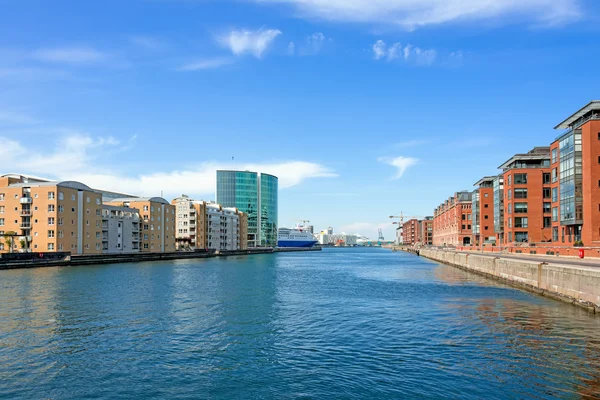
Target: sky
x=362, y=108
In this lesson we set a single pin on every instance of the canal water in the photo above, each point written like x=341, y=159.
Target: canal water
x=336, y=324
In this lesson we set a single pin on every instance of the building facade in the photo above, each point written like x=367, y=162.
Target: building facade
x=253, y=194
x=157, y=219
x=483, y=229
x=527, y=197
x=120, y=230
x=48, y=216
x=410, y=232
x=498, y=188
x=452, y=224
x=425, y=232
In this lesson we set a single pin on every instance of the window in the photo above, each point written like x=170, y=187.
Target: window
x=98, y=246
x=554, y=176
x=555, y=234
x=485, y=194
x=547, y=222
x=546, y=193
x=554, y=195
x=97, y=235
x=145, y=236
x=1, y=221
x=2, y=195
x=60, y=221
x=520, y=222
x=61, y=234
x=97, y=200
x=152, y=208
x=50, y=195
x=521, y=237
x=35, y=196
x=520, y=208
x=554, y=154
x=50, y=233
x=468, y=226
x=509, y=180
x=520, y=179
x=51, y=221
x=509, y=194
x=72, y=209
x=546, y=178
x=50, y=208
x=145, y=245
x=87, y=222
x=87, y=246
x=554, y=214
x=97, y=224
x=485, y=217
x=98, y=212
x=61, y=209
x=50, y=246
x=61, y=196
x=1, y=209
x=510, y=222
x=87, y=199
x=547, y=208
x=520, y=193
x=73, y=197
x=1, y=246
x=485, y=206
x=145, y=208
x=87, y=210
x=510, y=208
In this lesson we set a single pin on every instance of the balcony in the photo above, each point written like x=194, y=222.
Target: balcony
x=25, y=225
x=26, y=200
x=25, y=213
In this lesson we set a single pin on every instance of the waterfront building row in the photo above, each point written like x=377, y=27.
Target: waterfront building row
x=40, y=215
x=417, y=232
x=549, y=196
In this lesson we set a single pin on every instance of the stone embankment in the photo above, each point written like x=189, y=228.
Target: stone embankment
x=577, y=285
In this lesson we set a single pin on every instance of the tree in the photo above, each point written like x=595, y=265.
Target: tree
x=9, y=239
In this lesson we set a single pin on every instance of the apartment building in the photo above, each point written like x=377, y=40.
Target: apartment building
x=411, y=232
x=49, y=216
x=121, y=230
x=425, y=231
x=575, y=163
x=482, y=206
x=498, y=189
x=527, y=197
x=205, y=225
x=452, y=223
x=157, y=220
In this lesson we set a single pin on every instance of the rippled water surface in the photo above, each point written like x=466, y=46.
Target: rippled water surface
x=353, y=323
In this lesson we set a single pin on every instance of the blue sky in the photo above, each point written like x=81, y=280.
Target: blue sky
x=363, y=108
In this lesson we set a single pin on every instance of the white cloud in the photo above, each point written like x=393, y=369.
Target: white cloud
x=411, y=14
x=409, y=54
x=71, y=55
x=313, y=44
x=401, y=163
x=291, y=50
x=209, y=63
x=77, y=157
x=249, y=42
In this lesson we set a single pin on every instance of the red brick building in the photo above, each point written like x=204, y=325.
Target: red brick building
x=452, y=222
x=425, y=231
x=527, y=190
x=410, y=232
x=483, y=211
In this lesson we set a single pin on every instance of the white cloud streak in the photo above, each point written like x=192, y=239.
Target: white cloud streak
x=76, y=157
x=411, y=14
x=209, y=63
x=245, y=41
x=401, y=163
x=409, y=54
x=71, y=55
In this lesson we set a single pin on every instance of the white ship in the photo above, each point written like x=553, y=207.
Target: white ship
x=296, y=237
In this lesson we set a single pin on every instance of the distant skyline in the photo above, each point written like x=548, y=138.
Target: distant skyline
x=363, y=109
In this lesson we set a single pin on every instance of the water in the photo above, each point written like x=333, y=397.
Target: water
x=347, y=324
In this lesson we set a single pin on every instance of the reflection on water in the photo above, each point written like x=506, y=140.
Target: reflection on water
x=354, y=323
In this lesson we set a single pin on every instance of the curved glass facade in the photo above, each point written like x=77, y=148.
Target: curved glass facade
x=255, y=195
x=268, y=210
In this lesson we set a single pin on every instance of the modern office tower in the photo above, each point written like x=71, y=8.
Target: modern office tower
x=575, y=162
x=527, y=187
x=256, y=195
x=483, y=211
x=158, y=222
x=452, y=222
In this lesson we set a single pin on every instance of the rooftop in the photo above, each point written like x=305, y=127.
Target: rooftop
x=592, y=106
x=536, y=154
x=484, y=180
x=140, y=199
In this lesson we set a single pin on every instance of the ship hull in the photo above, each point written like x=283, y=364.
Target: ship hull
x=296, y=243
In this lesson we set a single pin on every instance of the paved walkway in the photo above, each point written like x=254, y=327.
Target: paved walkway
x=558, y=260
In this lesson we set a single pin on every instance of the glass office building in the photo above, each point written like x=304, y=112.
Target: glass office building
x=255, y=194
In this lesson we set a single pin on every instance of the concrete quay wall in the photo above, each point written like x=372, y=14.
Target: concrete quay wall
x=577, y=285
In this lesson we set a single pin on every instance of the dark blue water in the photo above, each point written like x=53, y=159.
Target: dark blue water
x=347, y=324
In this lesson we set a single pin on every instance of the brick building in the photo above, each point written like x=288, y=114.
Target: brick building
x=452, y=222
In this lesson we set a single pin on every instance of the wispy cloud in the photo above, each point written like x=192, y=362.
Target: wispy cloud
x=313, y=44
x=291, y=50
x=401, y=163
x=78, y=156
x=71, y=55
x=209, y=63
x=249, y=42
x=409, y=54
x=147, y=42
x=411, y=14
